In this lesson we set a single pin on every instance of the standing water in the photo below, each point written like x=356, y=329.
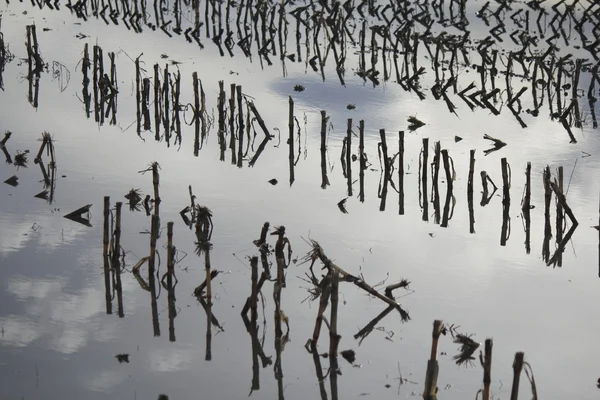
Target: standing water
x=278, y=199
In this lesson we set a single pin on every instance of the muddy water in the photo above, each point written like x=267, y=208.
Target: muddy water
x=57, y=340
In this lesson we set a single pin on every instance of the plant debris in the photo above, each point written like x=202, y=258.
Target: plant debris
x=415, y=123
x=12, y=181
x=349, y=355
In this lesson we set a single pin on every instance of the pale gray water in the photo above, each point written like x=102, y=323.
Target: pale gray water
x=58, y=342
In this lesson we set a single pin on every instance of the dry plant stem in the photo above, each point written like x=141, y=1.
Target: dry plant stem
x=221, y=107
x=326, y=292
x=563, y=202
x=198, y=290
x=261, y=122
x=291, y=139
x=547, y=226
x=334, y=338
x=172, y=313
x=232, y=124
x=106, y=230
x=384, y=150
x=155, y=226
x=449, y=189
x=154, y=229
x=263, y=233
x=430, y=391
x=136, y=268
x=517, y=368
x=117, y=244
x=424, y=179
x=470, y=191
x=105, y=240
x=157, y=102
x=506, y=178
x=85, y=66
x=357, y=281
x=361, y=160
x=487, y=369
x=238, y=89
x=278, y=288
x=254, y=292
x=170, y=255
x=116, y=265
x=38, y=157
x=324, y=179
x=166, y=102
x=209, y=315
x=138, y=90
x=560, y=216
x=527, y=199
x=7, y=136
x=435, y=178
x=318, y=370
x=401, y=172
x=505, y=182
x=196, y=114
x=349, y=156
x=526, y=208
x=155, y=183
x=371, y=325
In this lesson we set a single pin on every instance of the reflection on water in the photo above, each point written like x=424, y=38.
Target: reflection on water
x=436, y=75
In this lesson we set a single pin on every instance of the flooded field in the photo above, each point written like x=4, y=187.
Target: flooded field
x=299, y=199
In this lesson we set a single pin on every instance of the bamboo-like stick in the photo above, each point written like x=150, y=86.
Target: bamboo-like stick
x=517, y=368
x=116, y=264
x=291, y=139
x=324, y=178
x=450, y=185
x=401, y=172
x=563, y=201
x=560, y=216
x=38, y=157
x=105, y=241
x=430, y=391
x=106, y=230
x=238, y=89
x=526, y=208
x=324, y=299
x=232, y=124
x=434, y=181
x=254, y=292
x=117, y=243
x=349, y=156
x=196, y=113
x=208, y=309
x=155, y=184
x=547, y=225
x=334, y=338
x=166, y=101
x=470, y=191
x=261, y=122
x=487, y=368
x=424, y=180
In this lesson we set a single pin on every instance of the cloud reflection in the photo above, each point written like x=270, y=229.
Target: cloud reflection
x=65, y=322
x=46, y=231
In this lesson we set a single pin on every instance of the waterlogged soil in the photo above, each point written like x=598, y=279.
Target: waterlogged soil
x=58, y=340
